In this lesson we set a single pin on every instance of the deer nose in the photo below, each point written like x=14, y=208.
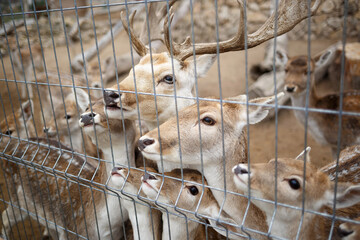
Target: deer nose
x=46, y=130
x=290, y=89
x=239, y=170
x=87, y=119
x=344, y=232
x=143, y=143
x=148, y=176
x=111, y=97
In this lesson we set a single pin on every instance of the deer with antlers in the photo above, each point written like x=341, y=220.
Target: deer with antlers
x=291, y=184
x=171, y=73
x=323, y=127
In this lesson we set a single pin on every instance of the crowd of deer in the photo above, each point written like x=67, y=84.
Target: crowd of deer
x=177, y=168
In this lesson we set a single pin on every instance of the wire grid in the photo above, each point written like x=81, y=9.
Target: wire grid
x=21, y=147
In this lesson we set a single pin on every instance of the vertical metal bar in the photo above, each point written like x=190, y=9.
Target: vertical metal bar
x=342, y=76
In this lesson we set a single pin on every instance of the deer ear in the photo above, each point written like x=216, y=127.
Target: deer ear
x=82, y=99
x=281, y=58
x=347, y=195
x=258, y=112
x=203, y=64
x=325, y=58
x=302, y=154
x=26, y=109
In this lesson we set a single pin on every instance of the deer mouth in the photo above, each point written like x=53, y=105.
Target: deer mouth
x=117, y=172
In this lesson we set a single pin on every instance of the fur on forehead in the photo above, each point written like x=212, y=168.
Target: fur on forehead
x=189, y=175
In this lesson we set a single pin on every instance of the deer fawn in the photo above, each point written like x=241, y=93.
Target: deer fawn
x=323, y=126
x=144, y=219
x=162, y=73
x=209, y=152
x=180, y=198
x=115, y=141
x=20, y=124
x=65, y=125
x=290, y=184
x=350, y=231
x=55, y=184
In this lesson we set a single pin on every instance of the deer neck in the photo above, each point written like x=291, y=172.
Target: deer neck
x=286, y=223
x=216, y=175
x=179, y=227
x=75, y=140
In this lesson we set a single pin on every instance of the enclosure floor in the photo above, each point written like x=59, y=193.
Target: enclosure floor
x=290, y=137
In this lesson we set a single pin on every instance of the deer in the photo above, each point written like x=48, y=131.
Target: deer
x=25, y=62
x=350, y=231
x=183, y=202
x=65, y=189
x=211, y=154
x=144, y=218
x=173, y=70
x=64, y=125
x=323, y=127
x=115, y=138
x=20, y=124
x=291, y=183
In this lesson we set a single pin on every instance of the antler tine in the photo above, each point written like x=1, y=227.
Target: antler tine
x=290, y=13
x=175, y=47
x=156, y=14
x=139, y=47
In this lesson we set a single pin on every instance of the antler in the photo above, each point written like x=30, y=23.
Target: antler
x=139, y=47
x=154, y=22
x=290, y=13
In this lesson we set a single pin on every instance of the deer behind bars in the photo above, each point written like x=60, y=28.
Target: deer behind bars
x=215, y=153
x=323, y=126
x=163, y=73
x=290, y=183
x=189, y=199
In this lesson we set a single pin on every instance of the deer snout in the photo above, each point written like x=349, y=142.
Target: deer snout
x=49, y=132
x=343, y=231
x=116, y=171
x=87, y=119
x=143, y=143
x=111, y=98
x=240, y=169
x=290, y=88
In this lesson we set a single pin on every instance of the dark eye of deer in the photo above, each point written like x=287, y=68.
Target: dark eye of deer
x=169, y=79
x=294, y=184
x=67, y=116
x=208, y=121
x=9, y=132
x=193, y=190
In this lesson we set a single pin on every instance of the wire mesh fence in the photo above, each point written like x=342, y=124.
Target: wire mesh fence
x=108, y=129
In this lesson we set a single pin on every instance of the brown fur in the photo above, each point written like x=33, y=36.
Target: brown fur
x=65, y=199
x=326, y=124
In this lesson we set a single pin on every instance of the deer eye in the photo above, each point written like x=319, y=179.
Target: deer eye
x=294, y=184
x=67, y=116
x=8, y=132
x=168, y=79
x=208, y=121
x=193, y=190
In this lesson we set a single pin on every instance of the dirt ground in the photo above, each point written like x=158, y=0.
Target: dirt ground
x=290, y=134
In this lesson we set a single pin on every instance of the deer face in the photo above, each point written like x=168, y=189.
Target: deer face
x=66, y=115
x=164, y=82
x=296, y=74
x=97, y=118
x=187, y=195
x=209, y=120
x=319, y=190
x=14, y=124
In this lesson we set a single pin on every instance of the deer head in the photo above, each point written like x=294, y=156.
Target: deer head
x=290, y=182
x=163, y=72
x=66, y=115
x=15, y=125
x=210, y=118
x=191, y=196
